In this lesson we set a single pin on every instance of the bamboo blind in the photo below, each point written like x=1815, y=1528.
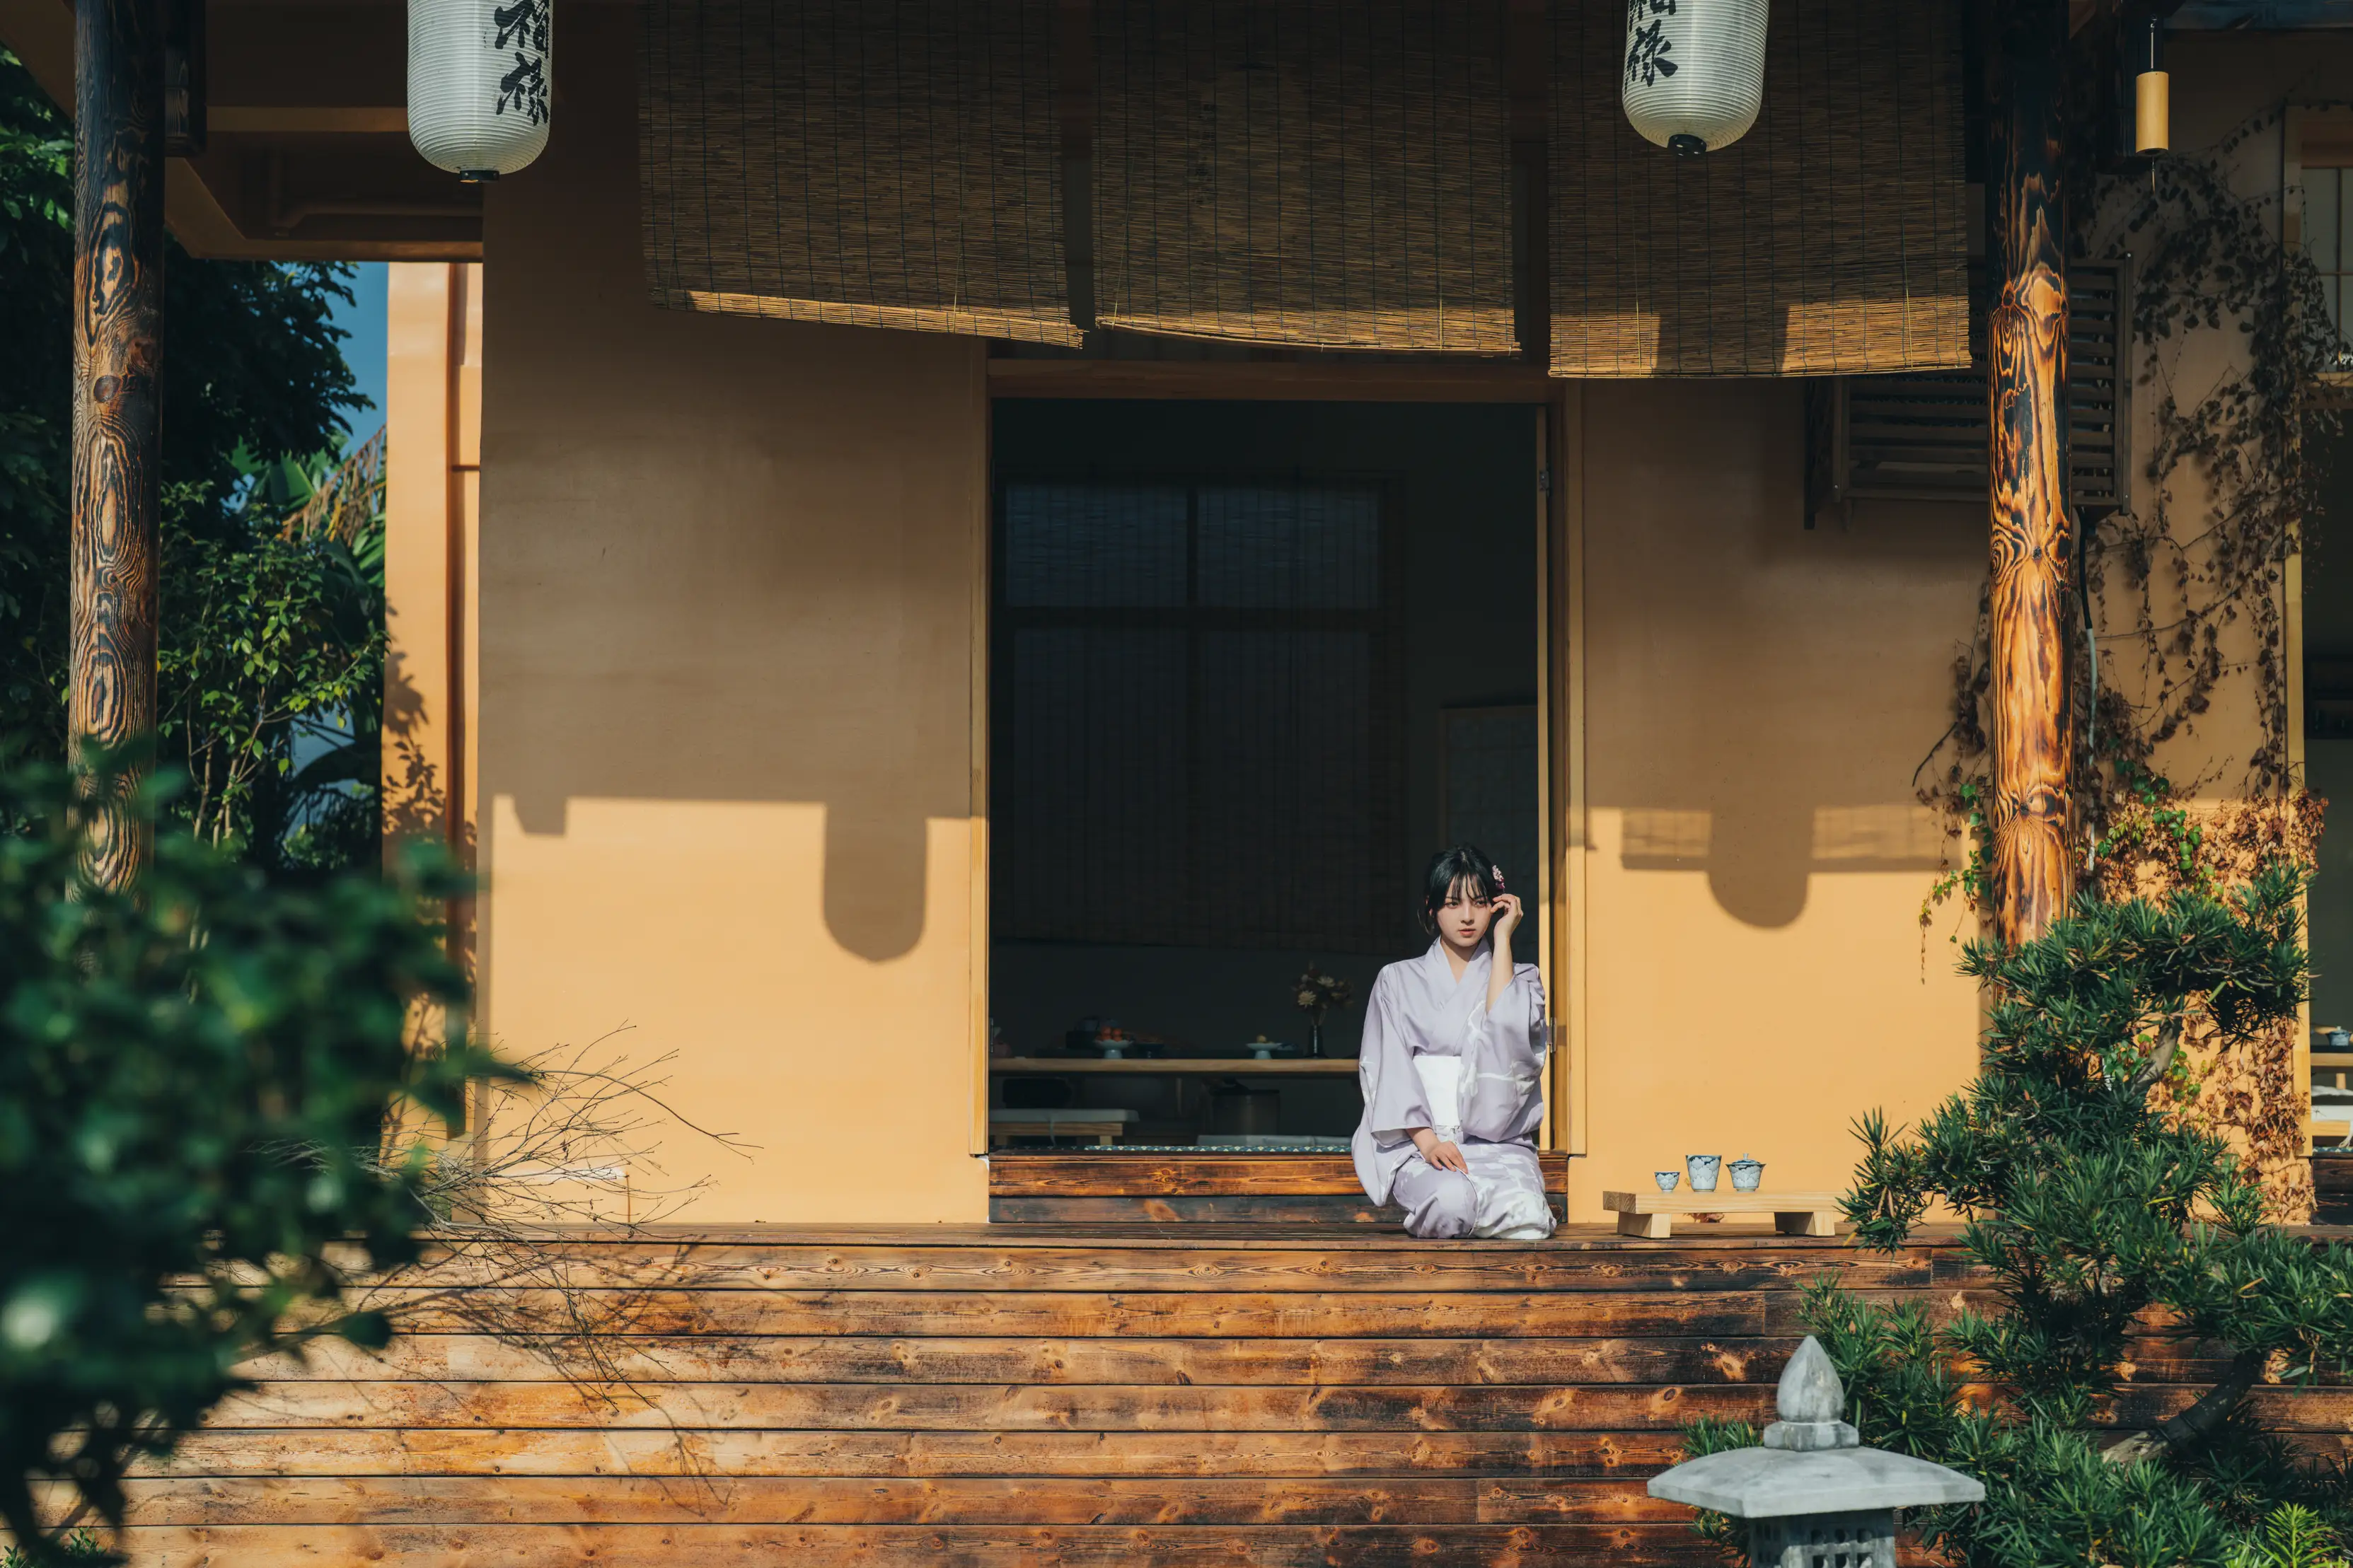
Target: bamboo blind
x=873, y=162
x=1308, y=173
x=1833, y=238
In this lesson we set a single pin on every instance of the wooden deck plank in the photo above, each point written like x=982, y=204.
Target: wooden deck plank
x=1131, y=1268
x=1165, y=1315
x=590, y=1455
x=657, y=1360
x=1323, y=1209
x=935, y=1546
x=868, y=1499
x=1306, y=1362
x=1252, y=1233
x=963, y=1407
x=1050, y=1174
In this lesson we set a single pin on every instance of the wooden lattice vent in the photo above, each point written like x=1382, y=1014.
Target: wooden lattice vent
x=1925, y=437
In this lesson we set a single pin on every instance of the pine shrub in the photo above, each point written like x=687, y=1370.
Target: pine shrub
x=2101, y=1215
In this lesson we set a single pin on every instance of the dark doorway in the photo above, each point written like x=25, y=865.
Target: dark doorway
x=1252, y=663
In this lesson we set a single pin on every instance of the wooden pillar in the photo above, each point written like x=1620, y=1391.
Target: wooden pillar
x=118, y=405
x=2033, y=613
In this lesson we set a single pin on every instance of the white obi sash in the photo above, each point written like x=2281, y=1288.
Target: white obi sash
x=1442, y=1090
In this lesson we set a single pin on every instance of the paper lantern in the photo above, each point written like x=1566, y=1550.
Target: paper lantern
x=478, y=83
x=1694, y=71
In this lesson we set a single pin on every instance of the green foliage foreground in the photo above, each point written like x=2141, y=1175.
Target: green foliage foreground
x=2090, y=1205
x=196, y=1088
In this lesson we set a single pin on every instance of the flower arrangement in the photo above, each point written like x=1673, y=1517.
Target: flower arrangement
x=1317, y=993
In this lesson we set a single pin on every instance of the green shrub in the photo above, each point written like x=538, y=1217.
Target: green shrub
x=198, y=1083
x=2089, y=1204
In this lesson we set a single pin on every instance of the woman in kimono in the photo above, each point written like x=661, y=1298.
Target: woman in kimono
x=1453, y=1068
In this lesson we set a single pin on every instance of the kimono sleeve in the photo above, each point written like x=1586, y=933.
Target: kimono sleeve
x=1393, y=1105
x=1504, y=1098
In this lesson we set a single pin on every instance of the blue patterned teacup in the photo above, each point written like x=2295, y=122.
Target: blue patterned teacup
x=1747, y=1174
x=1703, y=1168
x=1667, y=1179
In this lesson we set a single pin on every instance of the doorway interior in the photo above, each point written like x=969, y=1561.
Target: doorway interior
x=2327, y=639
x=1252, y=663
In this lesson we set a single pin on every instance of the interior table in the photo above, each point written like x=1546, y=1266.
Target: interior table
x=1188, y=1066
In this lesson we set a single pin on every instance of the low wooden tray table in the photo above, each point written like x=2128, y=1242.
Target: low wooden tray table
x=1653, y=1214
x=1103, y=1129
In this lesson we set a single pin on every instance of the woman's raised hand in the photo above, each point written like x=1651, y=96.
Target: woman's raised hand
x=1507, y=918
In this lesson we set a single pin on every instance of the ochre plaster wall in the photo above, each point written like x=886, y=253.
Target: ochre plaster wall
x=1758, y=695
x=728, y=571
x=726, y=677
x=727, y=580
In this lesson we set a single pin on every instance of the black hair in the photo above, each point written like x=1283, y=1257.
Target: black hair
x=1466, y=863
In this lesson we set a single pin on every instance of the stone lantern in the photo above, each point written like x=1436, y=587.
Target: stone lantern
x=1814, y=1496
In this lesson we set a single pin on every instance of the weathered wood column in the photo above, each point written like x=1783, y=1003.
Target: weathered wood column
x=118, y=320
x=2033, y=543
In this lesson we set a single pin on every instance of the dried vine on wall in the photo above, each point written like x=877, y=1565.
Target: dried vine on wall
x=2184, y=601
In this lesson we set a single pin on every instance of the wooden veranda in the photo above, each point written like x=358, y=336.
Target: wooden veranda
x=1073, y=1393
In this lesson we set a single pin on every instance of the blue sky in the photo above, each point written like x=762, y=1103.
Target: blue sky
x=364, y=350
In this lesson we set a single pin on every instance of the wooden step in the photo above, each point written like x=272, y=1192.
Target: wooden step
x=934, y=1545
x=991, y=1407
x=885, y=1499
x=589, y=1457
x=1211, y=1186
x=1153, y=1395
x=1298, y=1314
x=686, y=1360
x=1127, y=1264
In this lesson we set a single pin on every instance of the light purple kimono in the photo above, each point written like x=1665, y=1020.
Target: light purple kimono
x=1419, y=1010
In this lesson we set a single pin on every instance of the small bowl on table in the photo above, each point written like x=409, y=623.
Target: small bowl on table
x=1667, y=1180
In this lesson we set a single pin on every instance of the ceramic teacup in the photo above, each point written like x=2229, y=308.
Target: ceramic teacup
x=1747, y=1174
x=1667, y=1179
x=1703, y=1169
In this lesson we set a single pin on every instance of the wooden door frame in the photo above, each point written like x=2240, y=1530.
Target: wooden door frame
x=1560, y=630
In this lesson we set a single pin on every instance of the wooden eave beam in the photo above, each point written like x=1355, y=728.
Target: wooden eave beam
x=318, y=94
x=41, y=34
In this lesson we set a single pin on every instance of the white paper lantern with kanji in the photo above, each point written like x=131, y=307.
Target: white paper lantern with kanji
x=1694, y=71
x=478, y=73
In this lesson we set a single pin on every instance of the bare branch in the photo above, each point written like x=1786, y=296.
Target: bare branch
x=2160, y=1060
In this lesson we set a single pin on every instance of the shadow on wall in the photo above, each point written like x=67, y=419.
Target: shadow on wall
x=415, y=803
x=1759, y=855
x=1760, y=693
x=723, y=559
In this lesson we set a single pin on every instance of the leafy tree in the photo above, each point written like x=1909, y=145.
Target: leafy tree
x=2092, y=1209
x=202, y=1093
x=263, y=636
x=276, y=645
